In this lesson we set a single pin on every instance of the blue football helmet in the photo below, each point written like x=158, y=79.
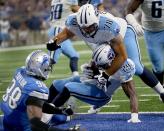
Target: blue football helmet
x=38, y=64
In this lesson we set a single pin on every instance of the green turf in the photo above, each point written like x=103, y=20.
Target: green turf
x=10, y=60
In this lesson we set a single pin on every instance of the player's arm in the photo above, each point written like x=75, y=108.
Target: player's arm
x=74, y=8
x=120, y=55
x=62, y=36
x=129, y=90
x=34, y=111
x=131, y=8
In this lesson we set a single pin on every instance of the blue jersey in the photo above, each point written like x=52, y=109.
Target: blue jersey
x=14, y=101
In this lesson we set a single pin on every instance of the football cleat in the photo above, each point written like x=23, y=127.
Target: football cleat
x=93, y=110
x=161, y=97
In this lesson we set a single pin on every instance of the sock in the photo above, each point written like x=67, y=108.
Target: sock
x=61, y=98
x=52, y=93
x=74, y=64
x=149, y=78
x=159, y=76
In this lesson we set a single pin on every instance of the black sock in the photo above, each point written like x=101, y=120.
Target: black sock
x=74, y=64
x=52, y=93
x=61, y=98
x=159, y=76
x=149, y=78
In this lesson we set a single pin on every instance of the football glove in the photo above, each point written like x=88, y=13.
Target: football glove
x=87, y=71
x=102, y=81
x=134, y=118
x=52, y=45
x=132, y=21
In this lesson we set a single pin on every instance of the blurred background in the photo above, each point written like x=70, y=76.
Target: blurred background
x=26, y=22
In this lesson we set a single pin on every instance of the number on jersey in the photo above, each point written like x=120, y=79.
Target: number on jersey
x=12, y=95
x=56, y=11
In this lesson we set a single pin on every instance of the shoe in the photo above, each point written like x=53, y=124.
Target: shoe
x=93, y=110
x=161, y=97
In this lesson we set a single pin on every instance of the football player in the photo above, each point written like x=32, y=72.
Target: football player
x=153, y=29
x=100, y=28
x=95, y=87
x=25, y=97
x=60, y=9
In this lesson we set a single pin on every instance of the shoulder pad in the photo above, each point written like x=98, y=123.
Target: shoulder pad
x=109, y=25
x=71, y=20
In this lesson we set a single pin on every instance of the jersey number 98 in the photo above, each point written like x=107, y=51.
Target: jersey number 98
x=12, y=95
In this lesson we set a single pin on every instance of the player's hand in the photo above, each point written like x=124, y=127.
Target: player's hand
x=52, y=45
x=102, y=80
x=87, y=71
x=132, y=21
x=134, y=118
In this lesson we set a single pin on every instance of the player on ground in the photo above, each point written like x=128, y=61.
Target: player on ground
x=153, y=25
x=60, y=9
x=95, y=87
x=25, y=98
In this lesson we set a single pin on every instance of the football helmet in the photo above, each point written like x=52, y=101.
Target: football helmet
x=38, y=64
x=87, y=19
x=103, y=56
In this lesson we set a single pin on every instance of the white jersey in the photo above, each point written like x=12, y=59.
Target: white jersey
x=109, y=27
x=153, y=15
x=60, y=9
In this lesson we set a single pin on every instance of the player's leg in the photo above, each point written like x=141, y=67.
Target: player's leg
x=58, y=86
x=132, y=48
x=86, y=93
x=71, y=53
x=155, y=46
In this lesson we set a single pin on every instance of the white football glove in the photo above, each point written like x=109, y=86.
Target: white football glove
x=102, y=80
x=134, y=118
x=132, y=21
x=87, y=71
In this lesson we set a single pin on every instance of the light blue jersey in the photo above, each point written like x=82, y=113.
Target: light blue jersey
x=14, y=101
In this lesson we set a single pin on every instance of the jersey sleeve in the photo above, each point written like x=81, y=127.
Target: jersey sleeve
x=37, y=89
x=71, y=21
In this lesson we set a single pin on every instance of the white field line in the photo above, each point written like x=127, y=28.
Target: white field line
x=109, y=106
x=147, y=95
x=125, y=113
x=128, y=100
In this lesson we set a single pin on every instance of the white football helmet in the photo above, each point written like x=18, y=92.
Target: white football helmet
x=103, y=56
x=87, y=16
x=38, y=64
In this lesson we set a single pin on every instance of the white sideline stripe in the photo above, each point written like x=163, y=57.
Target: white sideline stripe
x=123, y=113
x=41, y=46
x=149, y=95
x=103, y=106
